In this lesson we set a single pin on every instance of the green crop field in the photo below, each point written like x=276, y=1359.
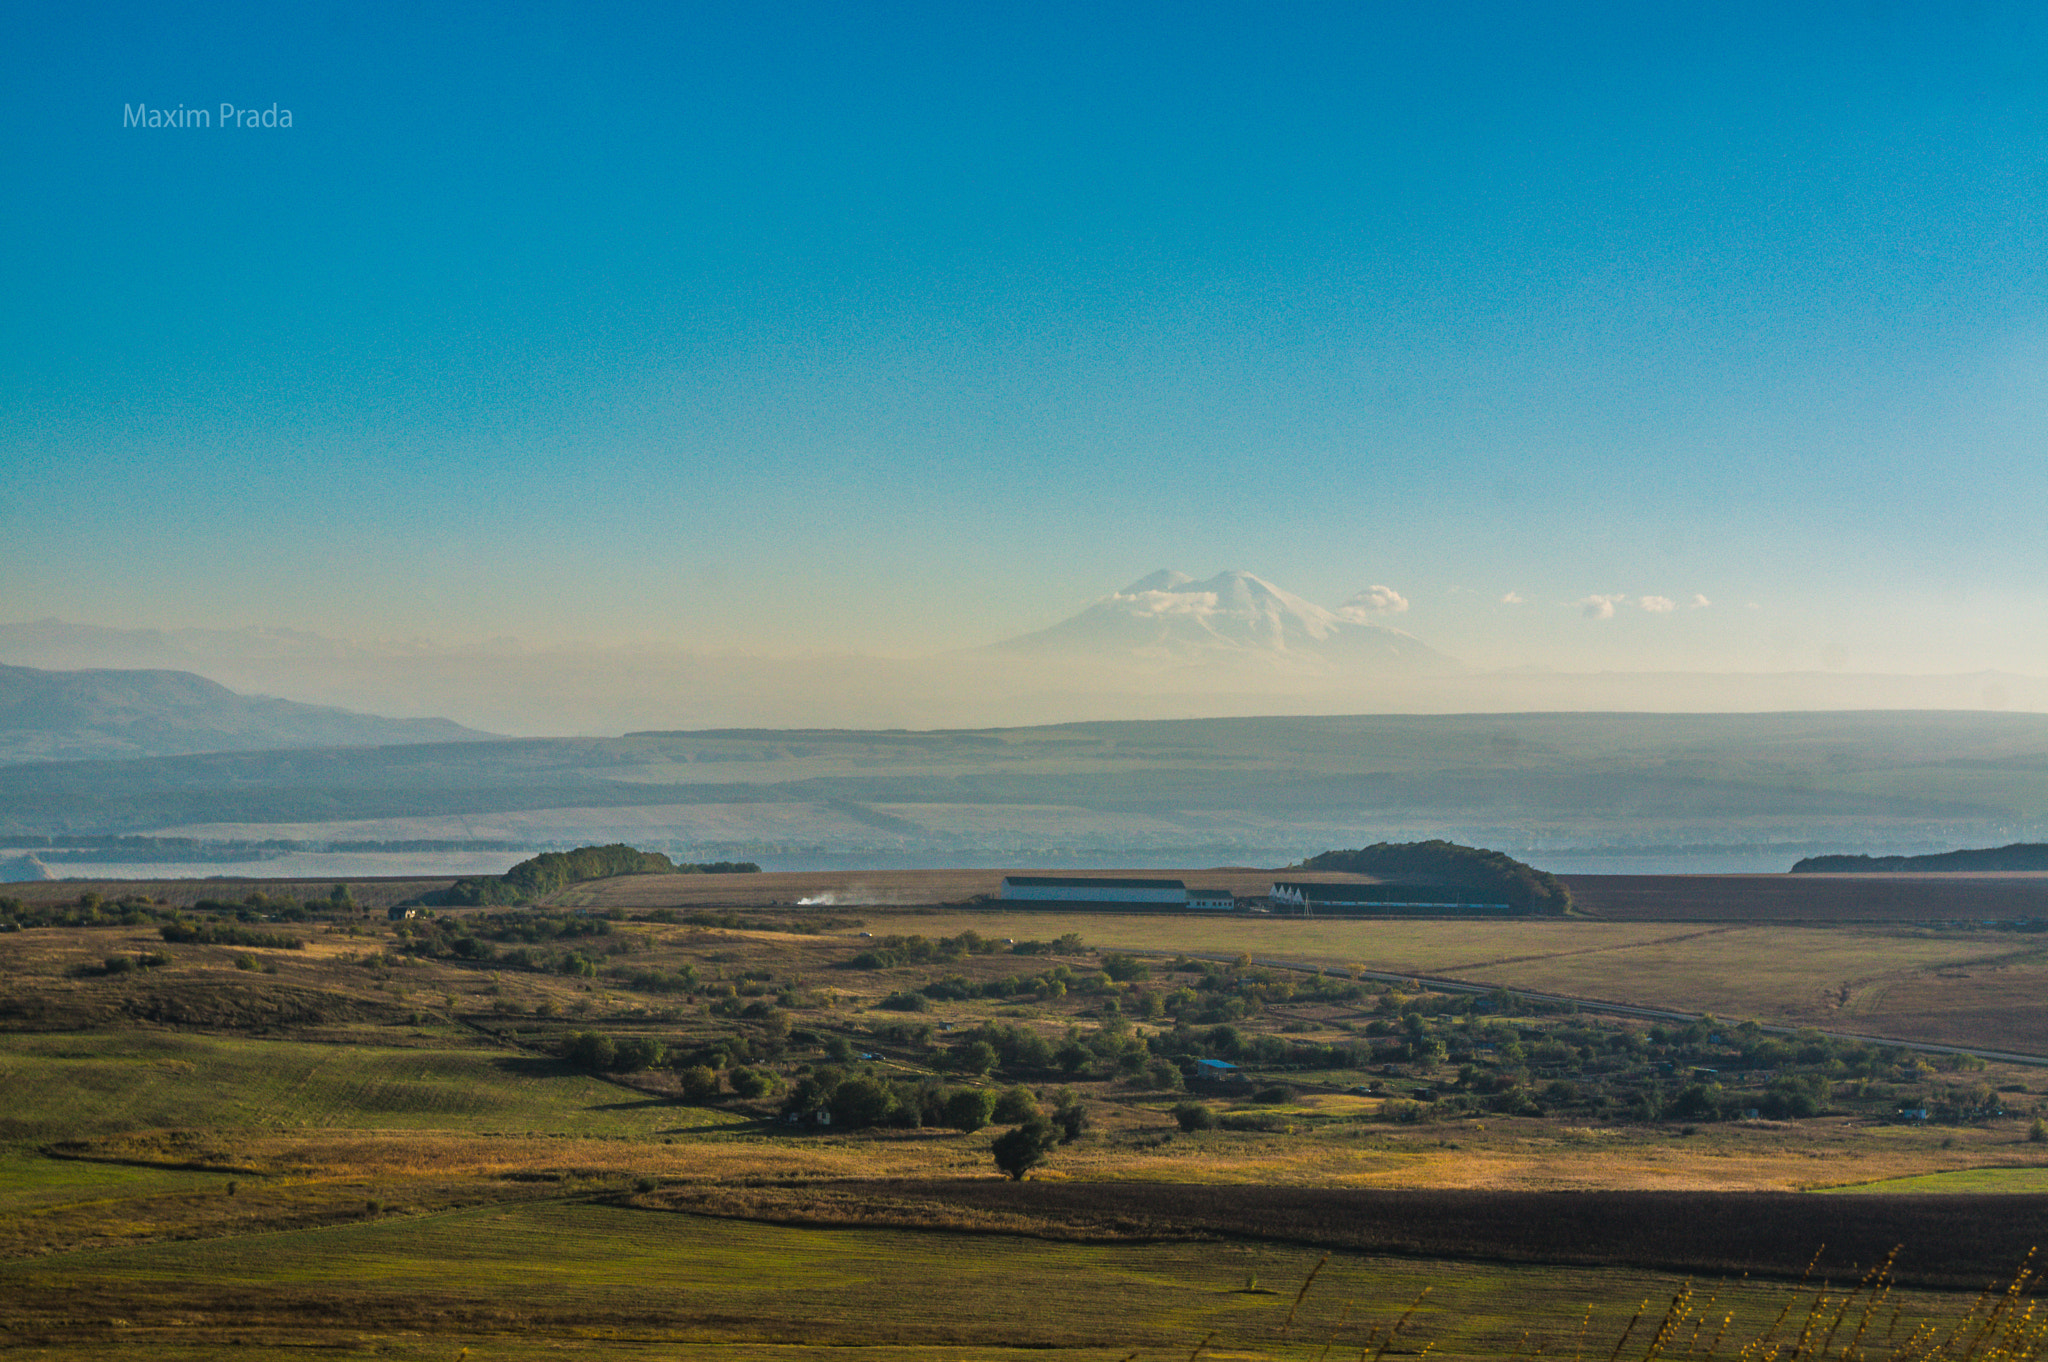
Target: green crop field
x=512, y=1282
x=2005, y=1180
x=102, y=1083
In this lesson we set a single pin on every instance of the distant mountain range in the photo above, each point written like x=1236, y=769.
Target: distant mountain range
x=1233, y=617
x=85, y=715
x=1164, y=647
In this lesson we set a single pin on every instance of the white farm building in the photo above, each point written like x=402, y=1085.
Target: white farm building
x=1089, y=889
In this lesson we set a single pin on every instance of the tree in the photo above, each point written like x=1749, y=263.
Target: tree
x=862, y=1101
x=969, y=1109
x=1019, y=1151
x=749, y=1082
x=976, y=1057
x=1192, y=1116
x=700, y=1083
x=1015, y=1106
x=1069, y=1116
x=590, y=1050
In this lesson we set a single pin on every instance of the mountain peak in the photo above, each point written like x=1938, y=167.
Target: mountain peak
x=1166, y=579
x=1235, y=615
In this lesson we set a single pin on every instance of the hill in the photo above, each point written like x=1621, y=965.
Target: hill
x=85, y=715
x=1492, y=875
x=2020, y=856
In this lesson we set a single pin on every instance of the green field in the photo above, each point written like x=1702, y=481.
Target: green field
x=518, y=1281
x=2003, y=1180
x=104, y=1083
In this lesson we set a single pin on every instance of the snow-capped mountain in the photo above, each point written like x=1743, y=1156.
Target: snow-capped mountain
x=1171, y=617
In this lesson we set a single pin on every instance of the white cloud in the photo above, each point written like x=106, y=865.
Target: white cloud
x=1658, y=605
x=1600, y=607
x=1377, y=600
x=1698, y=602
x=1512, y=598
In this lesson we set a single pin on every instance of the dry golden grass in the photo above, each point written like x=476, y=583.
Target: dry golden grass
x=1139, y=1143
x=1952, y=987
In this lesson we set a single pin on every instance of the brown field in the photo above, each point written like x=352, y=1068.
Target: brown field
x=1954, y=1241
x=1806, y=899
x=1986, y=989
x=1811, y=898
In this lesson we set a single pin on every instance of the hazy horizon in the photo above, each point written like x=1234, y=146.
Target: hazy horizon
x=1596, y=339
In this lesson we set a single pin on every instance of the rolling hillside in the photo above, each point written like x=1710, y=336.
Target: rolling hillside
x=82, y=715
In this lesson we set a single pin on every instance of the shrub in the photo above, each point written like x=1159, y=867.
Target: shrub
x=969, y=1109
x=590, y=1051
x=749, y=1082
x=907, y=1002
x=1192, y=1116
x=1014, y=1106
x=1019, y=1151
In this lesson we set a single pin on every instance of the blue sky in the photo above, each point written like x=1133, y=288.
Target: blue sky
x=897, y=327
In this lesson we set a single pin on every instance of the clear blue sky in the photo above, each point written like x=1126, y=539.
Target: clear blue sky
x=907, y=326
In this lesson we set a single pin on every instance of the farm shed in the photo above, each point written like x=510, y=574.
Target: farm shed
x=1312, y=898
x=1092, y=889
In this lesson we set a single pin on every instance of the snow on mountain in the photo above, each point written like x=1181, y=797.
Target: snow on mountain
x=1170, y=617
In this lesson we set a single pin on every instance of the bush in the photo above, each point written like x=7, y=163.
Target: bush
x=1014, y=1106
x=1193, y=1116
x=700, y=1083
x=750, y=1082
x=969, y=1109
x=975, y=1057
x=907, y=1002
x=590, y=1051
x=1277, y=1095
x=2038, y=1132
x=1019, y=1151
x=1069, y=1117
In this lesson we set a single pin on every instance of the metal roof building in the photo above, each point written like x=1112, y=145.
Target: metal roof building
x=1092, y=889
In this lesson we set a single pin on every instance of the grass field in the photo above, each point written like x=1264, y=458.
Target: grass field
x=375, y=1142
x=1962, y=988
x=2005, y=1181
x=525, y=1280
x=110, y=1082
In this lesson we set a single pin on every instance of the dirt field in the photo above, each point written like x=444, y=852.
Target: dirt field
x=1810, y=898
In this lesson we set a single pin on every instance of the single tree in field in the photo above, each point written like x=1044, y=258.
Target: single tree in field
x=1019, y=1151
x=1070, y=1118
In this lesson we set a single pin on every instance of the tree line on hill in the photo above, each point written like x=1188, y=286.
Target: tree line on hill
x=1495, y=875
x=2017, y=856
x=541, y=875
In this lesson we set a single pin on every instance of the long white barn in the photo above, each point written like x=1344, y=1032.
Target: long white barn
x=1092, y=889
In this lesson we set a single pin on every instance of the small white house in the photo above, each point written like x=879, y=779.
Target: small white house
x=1212, y=900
